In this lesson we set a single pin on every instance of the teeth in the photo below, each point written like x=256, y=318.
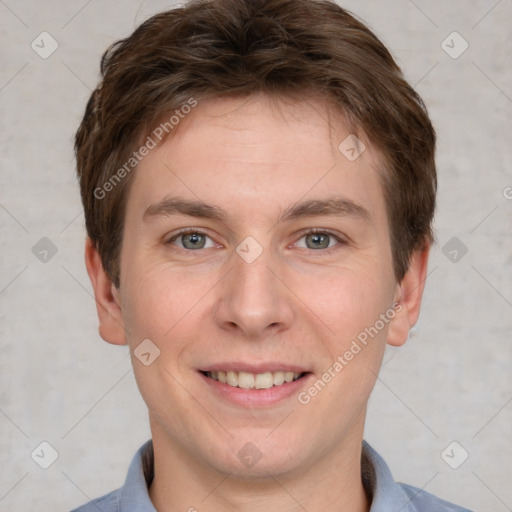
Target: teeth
x=247, y=380
x=278, y=378
x=264, y=380
x=232, y=378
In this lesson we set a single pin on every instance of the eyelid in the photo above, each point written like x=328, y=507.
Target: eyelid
x=186, y=231
x=340, y=239
x=311, y=231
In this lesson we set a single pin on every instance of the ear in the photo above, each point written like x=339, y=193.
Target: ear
x=408, y=298
x=108, y=305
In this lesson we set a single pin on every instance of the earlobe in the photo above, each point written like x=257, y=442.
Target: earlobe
x=408, y=297
x=111, y=325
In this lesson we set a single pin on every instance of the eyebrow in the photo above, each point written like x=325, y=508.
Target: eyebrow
x=341, y=206
x=179, y=206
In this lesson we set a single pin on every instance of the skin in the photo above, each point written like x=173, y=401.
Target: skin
x=253, y=158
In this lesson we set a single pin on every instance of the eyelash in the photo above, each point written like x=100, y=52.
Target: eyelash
x=185, y=231
x=329, y=250
x=312, y=231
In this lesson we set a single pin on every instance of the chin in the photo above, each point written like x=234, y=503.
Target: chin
x=258, y=460
x=261, y=470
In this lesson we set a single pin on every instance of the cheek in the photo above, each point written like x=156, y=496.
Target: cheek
x=355, y=344
x=352, y=299
x=161, y=306
x=157, y=299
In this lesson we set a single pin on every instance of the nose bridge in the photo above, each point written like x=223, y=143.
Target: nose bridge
x=253, y=300
x=253, y=282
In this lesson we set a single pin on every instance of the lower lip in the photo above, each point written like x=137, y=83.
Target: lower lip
x=256, y=397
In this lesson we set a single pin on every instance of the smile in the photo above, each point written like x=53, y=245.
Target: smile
x=248, y=380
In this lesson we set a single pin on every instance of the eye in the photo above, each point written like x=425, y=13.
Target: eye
x=191, y=240
x=316, y=240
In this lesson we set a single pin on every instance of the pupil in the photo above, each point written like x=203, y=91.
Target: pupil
x=319, y=241
x=193, y=240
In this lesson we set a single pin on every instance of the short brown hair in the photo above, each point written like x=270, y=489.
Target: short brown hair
x=215, y=48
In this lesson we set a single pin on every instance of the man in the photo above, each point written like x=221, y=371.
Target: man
x=259, y=185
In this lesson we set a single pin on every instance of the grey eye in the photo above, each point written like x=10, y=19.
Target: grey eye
x=317, y=240
x=193, y=240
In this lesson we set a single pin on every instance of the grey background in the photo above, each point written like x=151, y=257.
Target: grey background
x=60, y=383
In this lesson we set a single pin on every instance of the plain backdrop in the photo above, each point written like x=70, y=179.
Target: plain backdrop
x=61, y=384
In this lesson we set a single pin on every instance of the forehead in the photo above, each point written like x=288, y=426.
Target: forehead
x=253, y=121
x=258, y=151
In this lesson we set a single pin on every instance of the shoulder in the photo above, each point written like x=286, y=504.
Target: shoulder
x=390, y=495
x=133, y=495
x=423, y=501
x=107, y=503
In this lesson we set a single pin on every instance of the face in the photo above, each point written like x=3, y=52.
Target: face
x=255, y=252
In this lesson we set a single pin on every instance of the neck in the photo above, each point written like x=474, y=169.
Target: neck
x=330, y=485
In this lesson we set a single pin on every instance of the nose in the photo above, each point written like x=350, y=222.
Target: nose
x=253, y=301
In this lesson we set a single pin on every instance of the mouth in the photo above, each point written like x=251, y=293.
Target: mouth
x=250, y=381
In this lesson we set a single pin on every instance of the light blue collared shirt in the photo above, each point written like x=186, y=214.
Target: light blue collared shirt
x=387, y=495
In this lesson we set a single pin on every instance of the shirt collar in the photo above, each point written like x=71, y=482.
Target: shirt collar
x=378, y=481
x=134, y=495
x=386, y=493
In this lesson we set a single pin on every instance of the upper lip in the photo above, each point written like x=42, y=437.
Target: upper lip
x=253, y=368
